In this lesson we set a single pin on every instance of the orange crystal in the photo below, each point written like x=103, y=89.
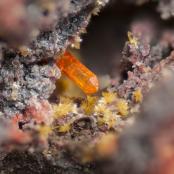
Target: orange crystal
x=77, y=72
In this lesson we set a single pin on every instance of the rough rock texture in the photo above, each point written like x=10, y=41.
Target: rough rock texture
x=28, y=71
x=143, y=147
x=36, y=163
x=20, y=82
x=84, y=135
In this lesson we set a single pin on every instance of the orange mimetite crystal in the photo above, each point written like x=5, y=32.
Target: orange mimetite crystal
x=78, y=73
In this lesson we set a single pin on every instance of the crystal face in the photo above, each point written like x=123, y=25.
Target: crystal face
x=78, y=73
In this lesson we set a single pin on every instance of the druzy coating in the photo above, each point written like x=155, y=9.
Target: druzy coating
x=77, y=72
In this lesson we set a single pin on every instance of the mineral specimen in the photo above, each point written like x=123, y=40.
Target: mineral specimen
x=77, y=72
x=119, y=130
x=27, y=60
